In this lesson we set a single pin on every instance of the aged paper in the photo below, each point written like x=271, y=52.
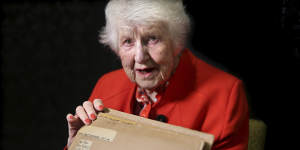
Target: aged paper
x=116, y=130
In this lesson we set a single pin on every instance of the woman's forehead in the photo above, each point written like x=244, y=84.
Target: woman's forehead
x=143, y=29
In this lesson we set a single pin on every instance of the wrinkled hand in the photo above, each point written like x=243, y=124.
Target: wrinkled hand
x=84, y=115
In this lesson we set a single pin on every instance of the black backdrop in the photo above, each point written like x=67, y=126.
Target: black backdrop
x=51, y=59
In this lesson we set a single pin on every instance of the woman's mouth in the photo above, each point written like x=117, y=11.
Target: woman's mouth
x=145, y=72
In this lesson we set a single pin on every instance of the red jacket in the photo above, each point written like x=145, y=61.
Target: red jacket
x=199, y=96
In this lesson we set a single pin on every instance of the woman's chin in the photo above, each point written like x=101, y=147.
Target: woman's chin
x=147, y=84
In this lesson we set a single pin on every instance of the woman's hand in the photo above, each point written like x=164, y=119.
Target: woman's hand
x=84, y=115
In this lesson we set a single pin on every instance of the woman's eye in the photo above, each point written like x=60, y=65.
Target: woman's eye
x=127, y=42
x=152, y=40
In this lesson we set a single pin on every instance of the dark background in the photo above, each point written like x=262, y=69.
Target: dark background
x=51, y=59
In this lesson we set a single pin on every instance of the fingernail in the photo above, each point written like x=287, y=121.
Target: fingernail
x=70, y=117
x=101, y=107
x=87, y=121
x=93, y=116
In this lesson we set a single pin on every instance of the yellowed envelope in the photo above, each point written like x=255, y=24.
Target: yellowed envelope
x=115, y=130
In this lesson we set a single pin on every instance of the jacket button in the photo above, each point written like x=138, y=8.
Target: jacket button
x=161, y=118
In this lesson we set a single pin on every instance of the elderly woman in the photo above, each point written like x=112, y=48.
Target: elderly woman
x=162, y=77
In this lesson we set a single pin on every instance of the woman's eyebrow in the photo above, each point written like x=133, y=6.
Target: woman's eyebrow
x=156, y=28
x=152, y=31
x=126, y=33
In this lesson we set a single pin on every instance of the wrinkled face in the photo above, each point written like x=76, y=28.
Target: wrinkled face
x=147, y=54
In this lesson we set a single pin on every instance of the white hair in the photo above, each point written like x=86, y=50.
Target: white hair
x=121, y=12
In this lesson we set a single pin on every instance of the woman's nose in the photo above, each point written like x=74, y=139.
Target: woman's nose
x=141, y=53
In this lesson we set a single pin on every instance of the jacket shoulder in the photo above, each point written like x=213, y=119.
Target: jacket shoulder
x=116, y=76
x=212, y=75
x=112, y=83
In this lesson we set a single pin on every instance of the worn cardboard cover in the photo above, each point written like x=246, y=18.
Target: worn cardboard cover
x=115, y=130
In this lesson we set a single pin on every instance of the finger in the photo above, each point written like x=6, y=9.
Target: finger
x=74, y=122
x=98, y=104
x=80, y=112
x=70, y=117
x=89, y=109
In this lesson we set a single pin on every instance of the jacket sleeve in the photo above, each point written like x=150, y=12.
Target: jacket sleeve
x=235, y=131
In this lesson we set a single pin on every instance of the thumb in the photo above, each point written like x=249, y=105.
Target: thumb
x=74, y=124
